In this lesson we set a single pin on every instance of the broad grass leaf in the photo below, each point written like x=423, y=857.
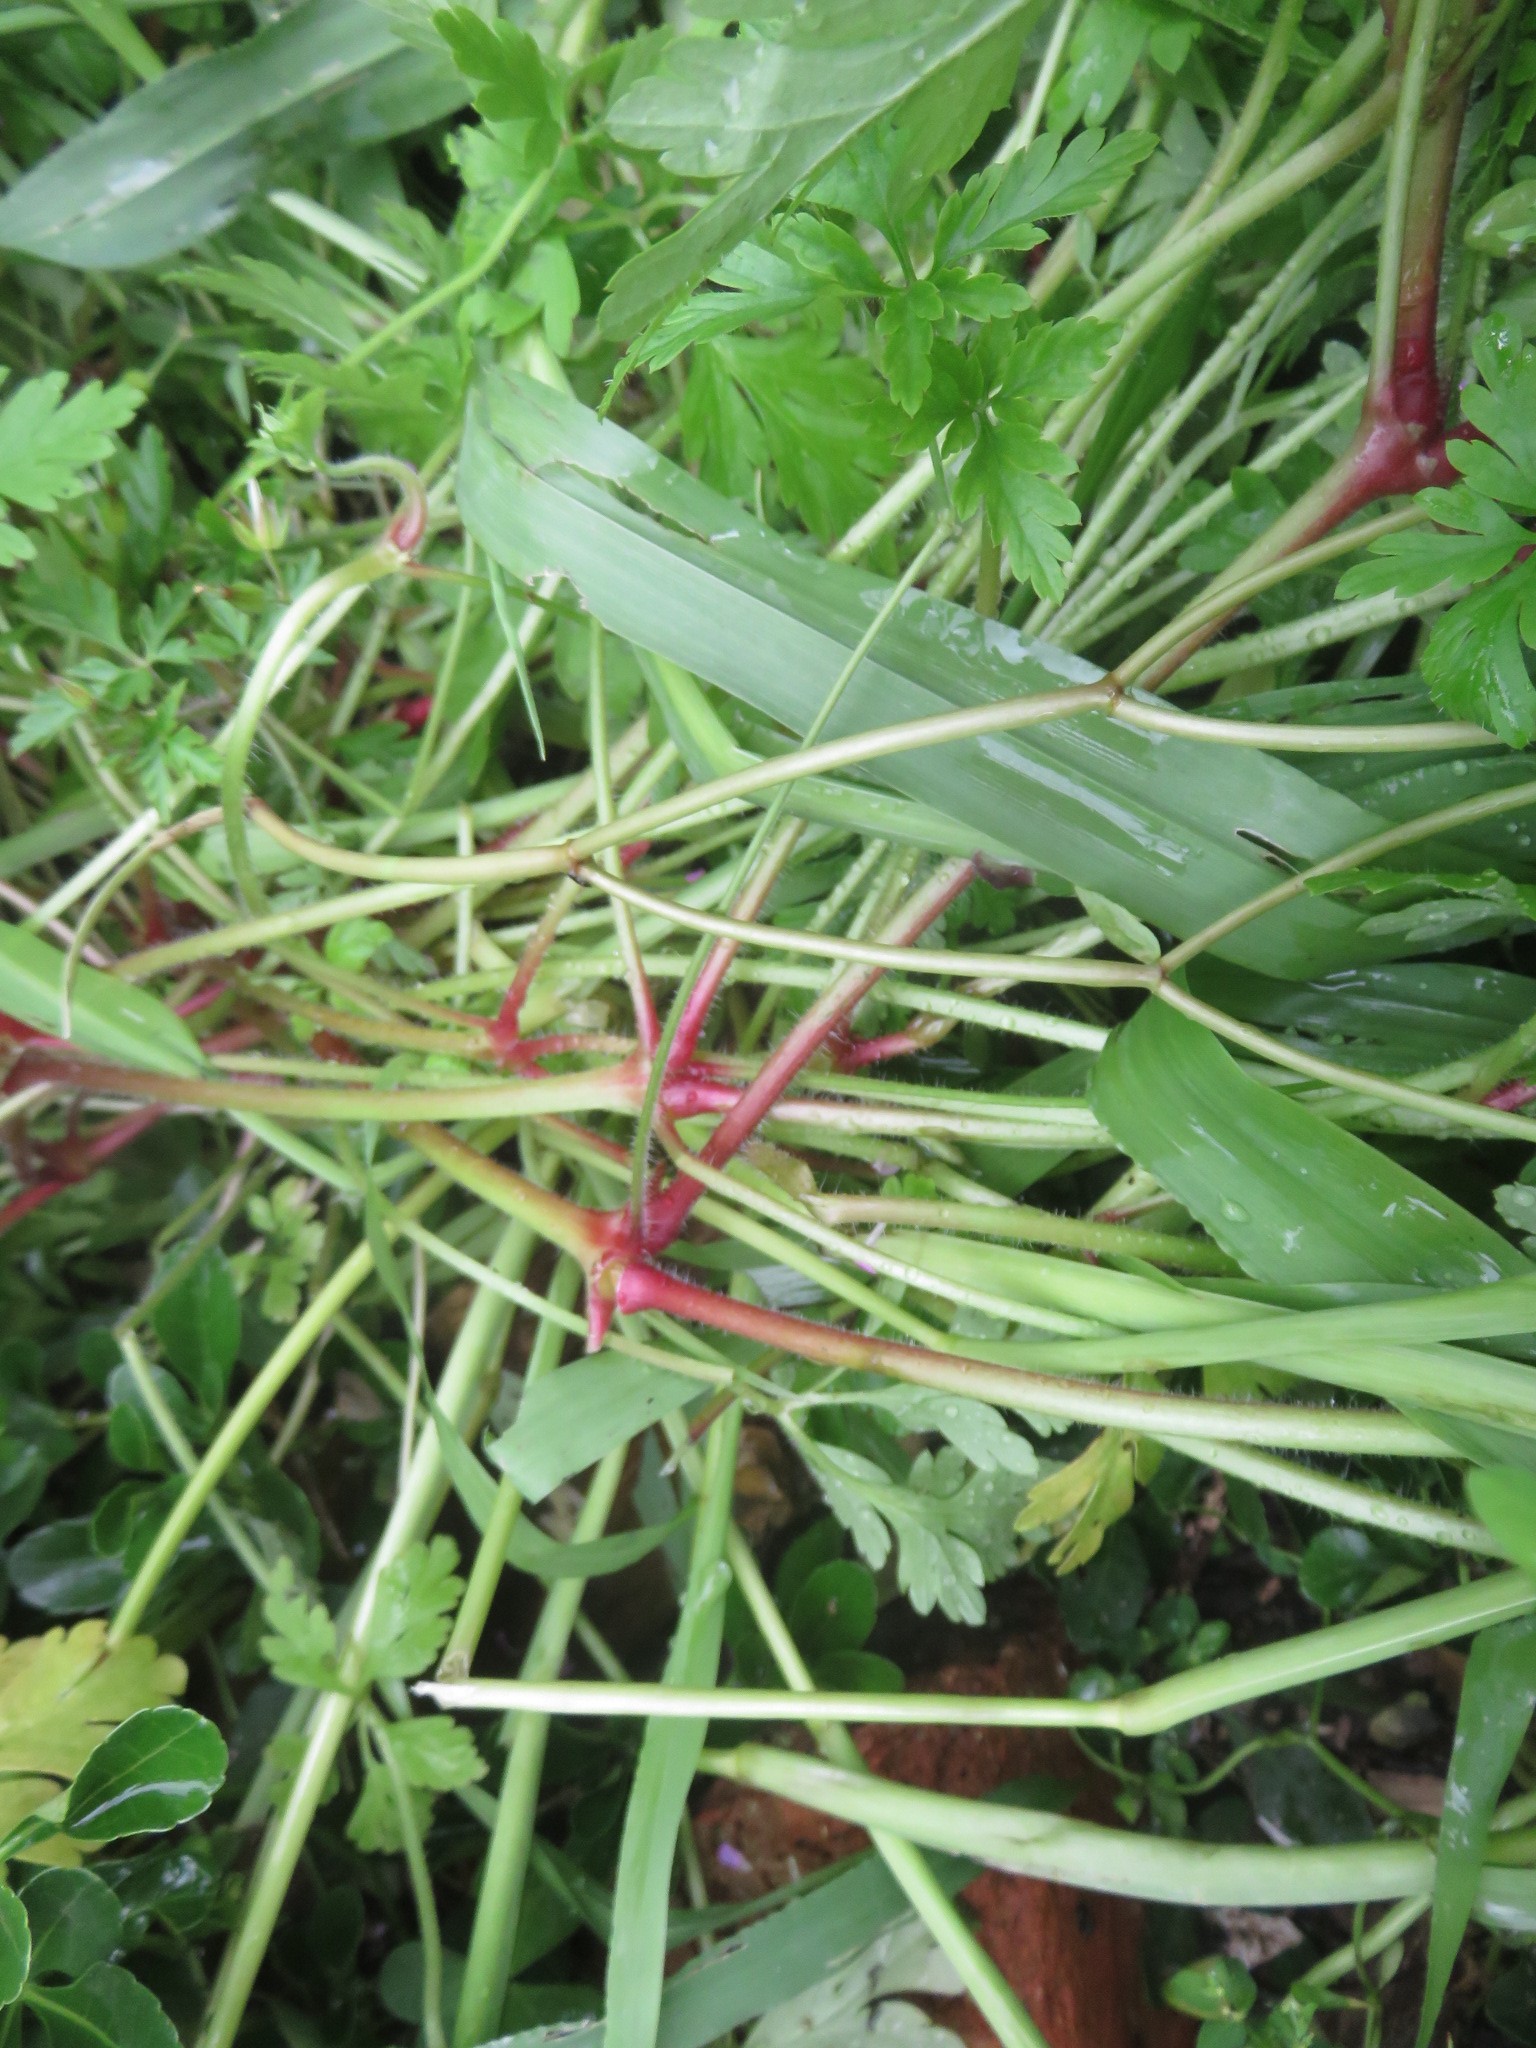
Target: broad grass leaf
x=570, y=1418
x=694, y=579
x=772, y=114
x=773, y=1960
x=15, y=1946
x=1291, y=1196
x=160, y=1768
x=1497, y=1696
x=668, y=1759
x=173, y=161
x=108, y=1018
x=861, y=2001
x=1391, y=1019
x=1504, y=1499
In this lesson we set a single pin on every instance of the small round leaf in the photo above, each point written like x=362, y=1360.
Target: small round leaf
x=161, y=1767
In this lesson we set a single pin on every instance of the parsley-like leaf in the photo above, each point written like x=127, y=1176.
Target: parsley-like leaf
x=905, y=329
x=435, y=1753
x=1003, y=208
x=417, y=1594
x=48, y=442
x=1475, y=658
x=1009, y=474
x=301, y=1648
x=513, y=86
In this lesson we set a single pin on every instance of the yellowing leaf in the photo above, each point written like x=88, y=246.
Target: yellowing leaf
x=1089, y=1496
x=60, y=1693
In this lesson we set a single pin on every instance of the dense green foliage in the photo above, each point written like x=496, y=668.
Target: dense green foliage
x=767, y=882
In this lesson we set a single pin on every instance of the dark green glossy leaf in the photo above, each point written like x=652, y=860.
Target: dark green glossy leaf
x=76, y=1922
x=107, y=2008
x=15, y=1946
x=58, y=1569
x=1497, y=1696
x=1142, y=819
x=108, y=1017
x=1289, y=1195
x=174, y=160
x=161, y=1767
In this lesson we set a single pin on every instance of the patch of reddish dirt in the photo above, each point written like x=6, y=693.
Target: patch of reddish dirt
x=1073, y=1957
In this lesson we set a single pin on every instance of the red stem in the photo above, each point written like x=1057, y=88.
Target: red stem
x=1399, y=447
x=667, y=1213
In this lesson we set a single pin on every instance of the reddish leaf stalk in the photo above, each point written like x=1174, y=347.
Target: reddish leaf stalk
x=668, y=1212
x=1399, y=446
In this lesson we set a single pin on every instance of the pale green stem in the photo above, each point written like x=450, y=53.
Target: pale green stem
x=913, y=959
x=98, y=868
x=980, y=1975
x=434, y=2034
x=1115, y=1860
x=1341, y=1498
x=502, y=1878
x=339, y=587
x=1492, y=804
x=1130, y=557
x=116, y=879
x=1211, y=373
x=1227, y=597
x=476, y=1349
x=1450, y=1109
x=1307, y=636
x=1028, y=124
x=175, y=1440
x=1027, y=1226
x=1392, y=1925
x=491, y=1557
x=603, y=805
x=657, y=1806
x=1229, y=1681
x=1251, y=202
x=453, y=287
x=246, y=1415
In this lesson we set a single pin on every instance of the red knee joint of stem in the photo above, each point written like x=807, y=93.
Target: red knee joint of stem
x=1510, y=1095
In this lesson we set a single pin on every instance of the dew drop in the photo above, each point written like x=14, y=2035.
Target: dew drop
x=1234, y=1212
x=1458, y=767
